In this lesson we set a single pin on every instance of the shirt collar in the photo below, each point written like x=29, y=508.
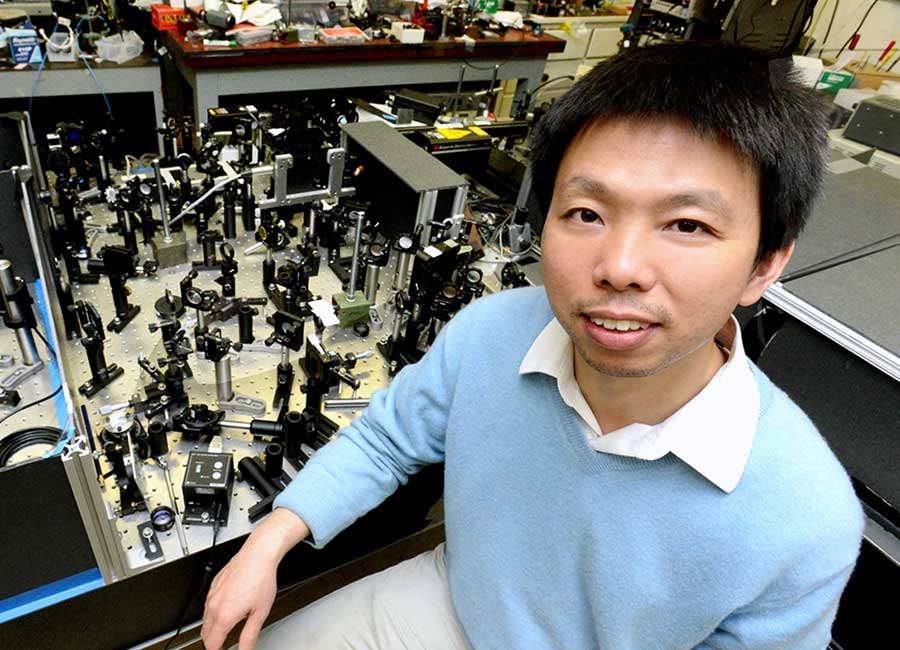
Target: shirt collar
x=713, y=432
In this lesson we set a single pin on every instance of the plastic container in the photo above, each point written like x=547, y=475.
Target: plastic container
x=120, y=47
x=313, y=12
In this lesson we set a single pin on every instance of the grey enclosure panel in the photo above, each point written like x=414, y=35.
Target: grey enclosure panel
x=862, y=295
x=410, y=163
x=858, y=208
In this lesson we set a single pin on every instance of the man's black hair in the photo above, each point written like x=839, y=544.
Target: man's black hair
x=723, y=92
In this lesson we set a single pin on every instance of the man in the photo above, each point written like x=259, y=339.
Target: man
x=618, y=475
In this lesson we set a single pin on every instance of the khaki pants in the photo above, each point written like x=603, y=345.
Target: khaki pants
x=405, y=607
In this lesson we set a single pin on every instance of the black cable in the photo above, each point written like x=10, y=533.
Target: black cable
x=787, y=36
x=46, y=343
x=34, y=403
x=207, y=578
x=740, y=41
x=858, y=27
x=830, y=23
x=23, y=438
x=45, y=397
x=849, y=256
x=552, y=80
x=502, y=63
x=808, y=19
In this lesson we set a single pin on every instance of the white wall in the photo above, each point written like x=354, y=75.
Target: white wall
x=882, y=26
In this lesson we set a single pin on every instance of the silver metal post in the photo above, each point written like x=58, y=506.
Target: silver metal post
x=224, y=390
x=372, y=271
x=349, y=403
x=234, y=424
x=491, y=91
x=24, y=336
x=354, y=264
x=398, y=321
x=311, y=228
x=425, y=214
x=178, y=529
x=462, y=74
x=163, y=210
x=255, y=247
x=403, y=262
x=458, y=213
x=522, y=197
x=285, y=355
x=104, y=168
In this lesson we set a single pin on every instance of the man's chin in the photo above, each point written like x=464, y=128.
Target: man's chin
x=615, y=368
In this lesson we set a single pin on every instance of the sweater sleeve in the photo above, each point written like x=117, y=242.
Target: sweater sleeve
x=802, y=623
x=798, y=609
x=401, y=431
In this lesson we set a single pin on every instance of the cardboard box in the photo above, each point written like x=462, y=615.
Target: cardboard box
x=869, y=77
x=165, y=17
x=407, y=32
x=831, y=82
x=23, y=45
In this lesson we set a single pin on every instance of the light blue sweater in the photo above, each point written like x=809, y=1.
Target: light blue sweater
x=552, y=545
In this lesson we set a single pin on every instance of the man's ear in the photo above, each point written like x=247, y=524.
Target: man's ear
x=765, y=273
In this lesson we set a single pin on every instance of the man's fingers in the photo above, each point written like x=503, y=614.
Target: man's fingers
x=214, y=632
x=250, y=633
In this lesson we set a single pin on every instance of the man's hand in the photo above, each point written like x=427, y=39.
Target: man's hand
x=246, y=587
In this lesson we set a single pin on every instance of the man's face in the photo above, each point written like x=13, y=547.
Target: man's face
x=649, y=244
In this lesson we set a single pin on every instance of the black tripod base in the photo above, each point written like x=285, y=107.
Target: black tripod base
x=101, y=380
x=119, y=323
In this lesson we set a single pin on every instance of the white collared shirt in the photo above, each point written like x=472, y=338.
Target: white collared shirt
x=713, y=432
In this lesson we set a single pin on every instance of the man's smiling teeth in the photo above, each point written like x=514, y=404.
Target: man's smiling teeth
x=620, y=325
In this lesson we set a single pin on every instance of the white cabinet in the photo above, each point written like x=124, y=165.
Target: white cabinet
x=604, y=41
x=577, y=43
x=588, y=41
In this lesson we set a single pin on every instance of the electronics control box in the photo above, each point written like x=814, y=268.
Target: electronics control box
x=207, y=486
x=875, y=123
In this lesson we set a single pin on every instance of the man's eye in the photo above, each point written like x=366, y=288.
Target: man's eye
x=687, y=226
x=585, y=216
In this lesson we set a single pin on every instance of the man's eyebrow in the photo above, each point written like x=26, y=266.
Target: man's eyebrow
x=708, y=200
x=585, y=185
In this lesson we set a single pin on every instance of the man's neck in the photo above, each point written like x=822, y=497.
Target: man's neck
x=619, y=401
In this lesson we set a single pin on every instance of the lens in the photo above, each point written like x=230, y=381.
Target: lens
x=162, y=518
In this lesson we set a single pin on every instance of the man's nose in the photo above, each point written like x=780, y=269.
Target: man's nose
x=624, y=260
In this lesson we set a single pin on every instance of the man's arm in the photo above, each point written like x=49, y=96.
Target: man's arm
x=801, y=622
x=245, y=587
x=401, y=431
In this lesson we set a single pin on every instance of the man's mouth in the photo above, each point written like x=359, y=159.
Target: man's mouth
x=619, y=325
x=619, y=333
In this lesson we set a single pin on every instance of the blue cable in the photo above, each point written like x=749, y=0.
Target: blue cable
x=97, y=81
x=38, y=75
x=90, y=69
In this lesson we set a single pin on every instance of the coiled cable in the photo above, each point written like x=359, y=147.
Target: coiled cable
x=24, y=438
